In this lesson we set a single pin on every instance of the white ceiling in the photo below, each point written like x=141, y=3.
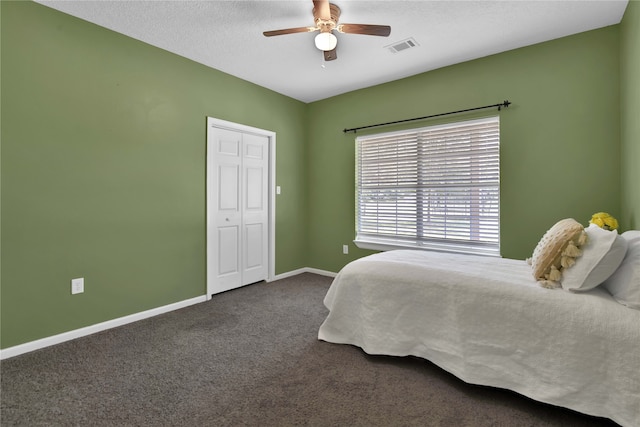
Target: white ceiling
x=227, y=35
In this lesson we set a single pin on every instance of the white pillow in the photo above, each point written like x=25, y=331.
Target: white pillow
x=624, y=284
x=601, y=256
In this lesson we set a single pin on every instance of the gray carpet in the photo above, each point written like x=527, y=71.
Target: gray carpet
x=248, y=357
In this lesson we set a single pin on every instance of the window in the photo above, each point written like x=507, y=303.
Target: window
x=436, y=187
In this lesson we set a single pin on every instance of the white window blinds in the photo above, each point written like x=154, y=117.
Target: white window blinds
x=435, y=187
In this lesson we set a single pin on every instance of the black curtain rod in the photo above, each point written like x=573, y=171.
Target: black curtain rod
x=503, y=104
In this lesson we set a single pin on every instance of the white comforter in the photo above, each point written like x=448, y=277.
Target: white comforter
x=488, y=322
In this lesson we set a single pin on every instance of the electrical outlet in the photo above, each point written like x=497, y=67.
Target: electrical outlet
x=77, y=286
x=345, y=249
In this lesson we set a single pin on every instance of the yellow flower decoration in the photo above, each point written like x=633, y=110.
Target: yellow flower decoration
x=604, y=220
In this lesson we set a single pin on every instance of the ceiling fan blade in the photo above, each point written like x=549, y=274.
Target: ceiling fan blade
x=321, y=9
x=330, y=55
x=289, y=31
x=368, y=30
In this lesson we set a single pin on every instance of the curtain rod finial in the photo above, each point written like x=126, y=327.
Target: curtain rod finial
x=505, y=104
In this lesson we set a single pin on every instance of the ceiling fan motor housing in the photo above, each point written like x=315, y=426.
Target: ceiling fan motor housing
x=324, y=24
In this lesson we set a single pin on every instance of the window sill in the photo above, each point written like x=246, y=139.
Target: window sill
x=385, y=245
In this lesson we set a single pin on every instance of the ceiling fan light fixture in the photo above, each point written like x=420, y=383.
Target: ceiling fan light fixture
x=326, y=41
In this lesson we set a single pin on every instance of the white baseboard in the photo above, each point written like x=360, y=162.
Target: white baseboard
x=99, y=327
x=304, y=270
x=320, y=272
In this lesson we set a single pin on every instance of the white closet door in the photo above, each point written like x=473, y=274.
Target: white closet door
x=238, y=187
x=227, y=219
x=255, y=212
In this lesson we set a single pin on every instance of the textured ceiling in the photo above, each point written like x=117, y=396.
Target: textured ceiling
x=227, y=35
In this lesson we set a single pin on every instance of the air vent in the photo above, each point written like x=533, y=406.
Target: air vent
x=402, y=45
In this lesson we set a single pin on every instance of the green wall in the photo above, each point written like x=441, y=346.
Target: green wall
x=103, y=158
x=560, y=152
x=629, y=114
x=103, y=171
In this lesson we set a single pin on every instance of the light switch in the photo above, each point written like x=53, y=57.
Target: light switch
x=277, y=189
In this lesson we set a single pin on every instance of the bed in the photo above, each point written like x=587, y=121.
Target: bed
x=487, y=321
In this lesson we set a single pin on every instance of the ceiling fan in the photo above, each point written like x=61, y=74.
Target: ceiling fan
x=326, y=16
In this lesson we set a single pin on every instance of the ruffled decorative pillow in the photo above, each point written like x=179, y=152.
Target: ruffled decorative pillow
x=557, y=250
